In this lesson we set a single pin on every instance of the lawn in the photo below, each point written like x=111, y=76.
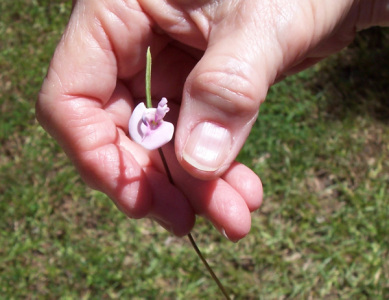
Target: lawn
x=320, y=146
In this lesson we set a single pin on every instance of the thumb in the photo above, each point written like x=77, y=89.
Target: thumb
x=221, y=99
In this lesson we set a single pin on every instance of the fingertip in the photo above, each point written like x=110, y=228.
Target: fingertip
x=134, y=200
x=238, y=228
x=173, y=228
x=227, y=211
x=246, y=183
x=170, y=207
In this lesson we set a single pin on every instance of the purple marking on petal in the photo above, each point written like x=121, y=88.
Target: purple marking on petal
x=159, y=137
x=149, y=116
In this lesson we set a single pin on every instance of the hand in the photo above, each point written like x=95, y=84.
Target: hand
x=214, y=61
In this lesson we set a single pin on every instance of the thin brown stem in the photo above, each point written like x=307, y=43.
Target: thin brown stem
x=190, y=237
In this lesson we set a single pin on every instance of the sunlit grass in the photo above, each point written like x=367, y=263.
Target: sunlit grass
x=320, y=146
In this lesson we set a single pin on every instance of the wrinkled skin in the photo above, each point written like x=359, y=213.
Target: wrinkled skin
x=214, y=61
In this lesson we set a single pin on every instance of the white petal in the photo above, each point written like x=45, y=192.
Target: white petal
x=134, y=125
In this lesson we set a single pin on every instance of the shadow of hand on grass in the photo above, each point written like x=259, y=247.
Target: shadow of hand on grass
x=356, y=81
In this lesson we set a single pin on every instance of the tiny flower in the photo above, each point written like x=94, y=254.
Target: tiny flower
x=147, y=127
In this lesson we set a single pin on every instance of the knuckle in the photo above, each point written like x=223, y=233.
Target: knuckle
x=227, y=90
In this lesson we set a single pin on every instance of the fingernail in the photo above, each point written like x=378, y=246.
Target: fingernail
x=207, y=147
x=165, y=225
x=224, y=233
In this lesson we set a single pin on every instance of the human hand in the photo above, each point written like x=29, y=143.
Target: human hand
x=214, y=61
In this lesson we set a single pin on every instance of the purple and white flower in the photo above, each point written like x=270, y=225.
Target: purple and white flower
x=147, y=127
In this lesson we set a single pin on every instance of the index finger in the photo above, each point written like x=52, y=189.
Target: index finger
x=99, y=46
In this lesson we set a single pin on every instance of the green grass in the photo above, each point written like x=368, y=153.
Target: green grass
x=320, y=146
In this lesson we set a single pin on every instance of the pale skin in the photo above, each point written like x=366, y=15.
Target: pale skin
x=214, y=61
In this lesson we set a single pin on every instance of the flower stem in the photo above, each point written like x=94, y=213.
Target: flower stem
x=190, y=237
x=148, y=79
